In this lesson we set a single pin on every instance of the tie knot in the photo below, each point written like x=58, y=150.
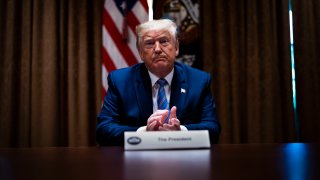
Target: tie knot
x=162, y=82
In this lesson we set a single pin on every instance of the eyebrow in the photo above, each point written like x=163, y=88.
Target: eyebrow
x=158, y=38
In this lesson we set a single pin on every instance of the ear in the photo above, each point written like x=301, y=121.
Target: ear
x=141, y=55
x=177, y=48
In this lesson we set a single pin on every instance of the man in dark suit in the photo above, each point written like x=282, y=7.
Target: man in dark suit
x=159, y=94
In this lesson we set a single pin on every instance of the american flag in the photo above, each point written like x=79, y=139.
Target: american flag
x=120, y=17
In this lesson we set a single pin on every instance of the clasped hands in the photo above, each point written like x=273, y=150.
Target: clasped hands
x=156, y=122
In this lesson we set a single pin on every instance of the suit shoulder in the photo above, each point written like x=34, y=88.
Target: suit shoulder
x=191, y=70
x=126, y=72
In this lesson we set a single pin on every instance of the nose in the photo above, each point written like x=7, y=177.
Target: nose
x=157, y=47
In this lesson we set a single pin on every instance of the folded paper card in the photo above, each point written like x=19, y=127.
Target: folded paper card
x=166, y=140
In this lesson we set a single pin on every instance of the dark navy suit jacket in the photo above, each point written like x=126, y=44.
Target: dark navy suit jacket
x=128, y=103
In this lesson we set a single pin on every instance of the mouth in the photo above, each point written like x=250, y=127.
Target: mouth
x=159, y=58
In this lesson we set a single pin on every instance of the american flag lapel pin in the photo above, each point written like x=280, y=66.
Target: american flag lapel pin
x=183, y=90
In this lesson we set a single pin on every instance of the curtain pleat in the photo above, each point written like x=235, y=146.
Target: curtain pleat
x=247, y=50
x=50, y=72
x=306, y=28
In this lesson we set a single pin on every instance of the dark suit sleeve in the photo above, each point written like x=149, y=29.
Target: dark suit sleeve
x=207, y=117
x=109, y=129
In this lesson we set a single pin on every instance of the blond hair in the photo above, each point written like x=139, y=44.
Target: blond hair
x=157, y=25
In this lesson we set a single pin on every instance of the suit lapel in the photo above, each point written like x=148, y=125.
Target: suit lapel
x=143, y=91
x=179, y=89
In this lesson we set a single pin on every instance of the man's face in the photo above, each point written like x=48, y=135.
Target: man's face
x=158, y=50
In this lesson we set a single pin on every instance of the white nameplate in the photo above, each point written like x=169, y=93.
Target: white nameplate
x=166, y=140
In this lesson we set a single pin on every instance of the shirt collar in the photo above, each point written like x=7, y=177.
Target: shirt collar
x=154, y=78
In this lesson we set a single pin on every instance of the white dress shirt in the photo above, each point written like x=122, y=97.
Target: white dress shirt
x=155, y=88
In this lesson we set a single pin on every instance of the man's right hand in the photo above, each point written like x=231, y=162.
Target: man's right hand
x=156, y=120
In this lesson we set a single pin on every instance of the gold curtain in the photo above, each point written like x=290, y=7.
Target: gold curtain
x=306, y=30
x=246, y=47
x=50, y=72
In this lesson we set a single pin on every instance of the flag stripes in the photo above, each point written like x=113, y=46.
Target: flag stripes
x=120, y=17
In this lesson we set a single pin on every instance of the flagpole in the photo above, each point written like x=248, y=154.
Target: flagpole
x=150, y=9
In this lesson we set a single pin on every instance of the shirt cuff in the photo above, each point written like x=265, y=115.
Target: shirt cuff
x=144, y=128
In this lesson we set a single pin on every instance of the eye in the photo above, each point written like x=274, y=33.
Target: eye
x=149, y=43
x=164, y=41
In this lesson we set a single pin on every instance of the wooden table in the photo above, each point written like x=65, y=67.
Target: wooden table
x=293, y=161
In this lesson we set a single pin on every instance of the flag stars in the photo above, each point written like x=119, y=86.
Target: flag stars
x=123, y=5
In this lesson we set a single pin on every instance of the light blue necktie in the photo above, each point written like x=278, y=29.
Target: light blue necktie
x=161, y=99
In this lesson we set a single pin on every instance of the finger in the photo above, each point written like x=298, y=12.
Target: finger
x=173, y=112
x=164, y=128
x=157, y=116
x=175, y=122
x=151, y=120
x=159, y=112
x=173, y=126
x=168, y=127
x=153, y=126
x=164, y=116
